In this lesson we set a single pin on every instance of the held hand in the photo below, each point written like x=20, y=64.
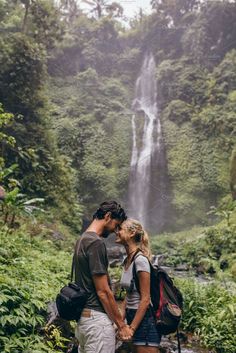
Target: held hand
x=125, y=333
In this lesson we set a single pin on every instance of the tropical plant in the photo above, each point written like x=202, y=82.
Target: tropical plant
x=224, y=210
x=16, y=204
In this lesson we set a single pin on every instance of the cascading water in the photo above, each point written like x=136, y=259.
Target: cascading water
x=148, y=186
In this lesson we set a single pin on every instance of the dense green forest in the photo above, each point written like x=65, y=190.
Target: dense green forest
x=67, y=81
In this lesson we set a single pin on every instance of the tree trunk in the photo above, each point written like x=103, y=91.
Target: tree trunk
x=233, y=174
x=99, y=10
x=24, y=25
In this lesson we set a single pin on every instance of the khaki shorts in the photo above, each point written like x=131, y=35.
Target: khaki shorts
x=95, y=333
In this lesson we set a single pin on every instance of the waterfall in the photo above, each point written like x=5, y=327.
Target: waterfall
x=148, y=186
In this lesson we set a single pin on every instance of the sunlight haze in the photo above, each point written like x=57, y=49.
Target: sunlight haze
x=131, y=7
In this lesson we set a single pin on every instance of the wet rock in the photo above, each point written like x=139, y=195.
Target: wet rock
x=211, y=270
x=115, y=253
x=167, y=346
x=224, y=264
x=200, y=269
x=182, y=267
x=52, y=312
x=158, y=260
x=115, y=263
x=53, y=318
x=57, y=235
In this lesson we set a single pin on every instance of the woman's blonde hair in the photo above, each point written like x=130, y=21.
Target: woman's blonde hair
x=140, y=236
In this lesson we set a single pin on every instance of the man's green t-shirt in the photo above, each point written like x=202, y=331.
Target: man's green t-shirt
x=91, y=259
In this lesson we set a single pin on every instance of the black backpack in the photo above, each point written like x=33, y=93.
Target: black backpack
x=167, y=300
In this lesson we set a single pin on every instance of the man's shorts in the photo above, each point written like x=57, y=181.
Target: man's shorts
x=95, y=332
x=146, y=333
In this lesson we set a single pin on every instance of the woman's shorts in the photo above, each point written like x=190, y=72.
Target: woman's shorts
x=146, y=333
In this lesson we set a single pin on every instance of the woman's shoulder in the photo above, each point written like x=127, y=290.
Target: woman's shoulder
x=140, y=257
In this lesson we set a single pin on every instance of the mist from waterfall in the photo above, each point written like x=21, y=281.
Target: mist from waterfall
x=148, y=189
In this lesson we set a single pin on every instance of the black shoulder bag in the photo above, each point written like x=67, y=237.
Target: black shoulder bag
x=72, y=299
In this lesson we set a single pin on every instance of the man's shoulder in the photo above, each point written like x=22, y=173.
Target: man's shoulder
x=90, y=239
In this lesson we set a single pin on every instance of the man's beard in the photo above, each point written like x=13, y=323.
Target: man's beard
x=106, y=233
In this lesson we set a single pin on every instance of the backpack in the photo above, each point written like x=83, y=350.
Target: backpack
x=167, y=300
x=71, y=299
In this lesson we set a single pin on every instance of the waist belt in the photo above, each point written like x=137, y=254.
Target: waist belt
x=86, y=313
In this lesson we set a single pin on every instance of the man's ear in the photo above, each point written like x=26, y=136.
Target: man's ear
x=107, y=216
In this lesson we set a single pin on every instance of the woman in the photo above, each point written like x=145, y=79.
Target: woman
x=146, y=338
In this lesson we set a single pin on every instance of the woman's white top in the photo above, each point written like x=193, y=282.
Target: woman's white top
x=141, y=264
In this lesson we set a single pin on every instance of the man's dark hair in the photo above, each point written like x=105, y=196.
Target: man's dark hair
x=113, y=207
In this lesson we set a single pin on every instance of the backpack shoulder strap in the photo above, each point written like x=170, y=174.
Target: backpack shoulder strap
x=77, y=245
x=72, y=272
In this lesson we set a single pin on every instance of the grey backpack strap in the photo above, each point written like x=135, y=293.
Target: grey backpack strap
x=72, y=272
x=72, y=269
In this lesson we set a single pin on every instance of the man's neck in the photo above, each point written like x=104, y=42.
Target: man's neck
x=97, y=227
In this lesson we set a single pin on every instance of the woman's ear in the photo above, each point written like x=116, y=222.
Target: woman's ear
x=132, y=234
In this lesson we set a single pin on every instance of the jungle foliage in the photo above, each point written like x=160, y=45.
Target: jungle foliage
x=195, y=54
x=68, y=78
x=209, y=311
x=66, y=87
x=31, y=272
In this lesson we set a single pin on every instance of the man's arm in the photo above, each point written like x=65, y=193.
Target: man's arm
x=108, y=302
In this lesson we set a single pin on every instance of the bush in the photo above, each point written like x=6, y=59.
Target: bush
x=209, y=311
x=31, y=274
x=179, y=111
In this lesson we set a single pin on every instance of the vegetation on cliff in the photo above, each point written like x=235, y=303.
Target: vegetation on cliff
x=69, y=78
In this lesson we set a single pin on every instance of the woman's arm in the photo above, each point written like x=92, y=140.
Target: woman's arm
x=144, y=288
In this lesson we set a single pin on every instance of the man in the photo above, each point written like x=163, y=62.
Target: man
x=95, y=330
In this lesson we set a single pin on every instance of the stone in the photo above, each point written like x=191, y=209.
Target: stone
x=181, y=267
x=115, y=263
x=115, y=253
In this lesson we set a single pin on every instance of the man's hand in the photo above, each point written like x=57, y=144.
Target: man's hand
x=125, y=333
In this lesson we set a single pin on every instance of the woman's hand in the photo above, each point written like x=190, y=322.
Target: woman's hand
x=125, y=333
